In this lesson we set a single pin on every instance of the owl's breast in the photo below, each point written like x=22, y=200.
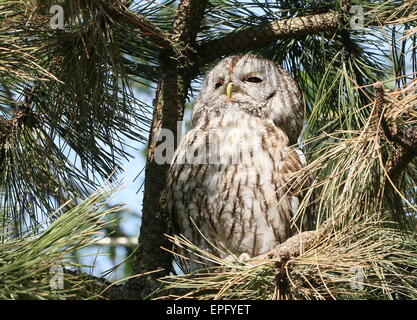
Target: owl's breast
x=225, y=177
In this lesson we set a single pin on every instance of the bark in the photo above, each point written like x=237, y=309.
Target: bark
x=285, y=252
x=177, y=66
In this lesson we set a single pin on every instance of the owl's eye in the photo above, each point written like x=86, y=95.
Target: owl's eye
x=218, y=85
x=253, y=79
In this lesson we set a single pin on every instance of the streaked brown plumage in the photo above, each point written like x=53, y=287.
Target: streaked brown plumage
x=234, y=186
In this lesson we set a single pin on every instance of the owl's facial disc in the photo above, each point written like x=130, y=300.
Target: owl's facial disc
x=255, y=85
x=237, y=79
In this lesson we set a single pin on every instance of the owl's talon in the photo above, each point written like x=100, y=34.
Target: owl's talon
x=243, y=257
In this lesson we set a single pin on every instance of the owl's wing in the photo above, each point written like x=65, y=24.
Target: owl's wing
x=297, y=185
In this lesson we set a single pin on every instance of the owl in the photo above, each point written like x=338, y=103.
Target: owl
x=228, y=187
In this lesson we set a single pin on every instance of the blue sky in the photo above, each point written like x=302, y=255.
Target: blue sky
x=129, y=195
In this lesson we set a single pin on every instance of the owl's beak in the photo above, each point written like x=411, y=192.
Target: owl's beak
x=229, y=90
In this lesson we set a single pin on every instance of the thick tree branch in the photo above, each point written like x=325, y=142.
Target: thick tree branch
x=187, y=22
x=258, y=36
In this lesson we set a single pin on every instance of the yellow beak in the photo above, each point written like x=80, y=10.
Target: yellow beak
x=229, y=90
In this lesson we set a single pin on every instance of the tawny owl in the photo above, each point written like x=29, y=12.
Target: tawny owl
x=227, y=188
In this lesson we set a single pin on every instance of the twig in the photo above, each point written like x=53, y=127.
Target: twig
x=123, y=14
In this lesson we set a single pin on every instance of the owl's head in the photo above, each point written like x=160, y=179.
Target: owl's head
x=258, y=86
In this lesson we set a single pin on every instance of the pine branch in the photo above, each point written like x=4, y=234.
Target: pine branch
x=9, y=127
x=120, y=12
x=261, y=35
x=405, y=142
x=188, y=20
x=27, y=264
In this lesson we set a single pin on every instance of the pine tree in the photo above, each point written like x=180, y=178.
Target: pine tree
x=67, y=73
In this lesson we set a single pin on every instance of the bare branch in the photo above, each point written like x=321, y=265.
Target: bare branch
x=187, y=22
x=258, y=36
